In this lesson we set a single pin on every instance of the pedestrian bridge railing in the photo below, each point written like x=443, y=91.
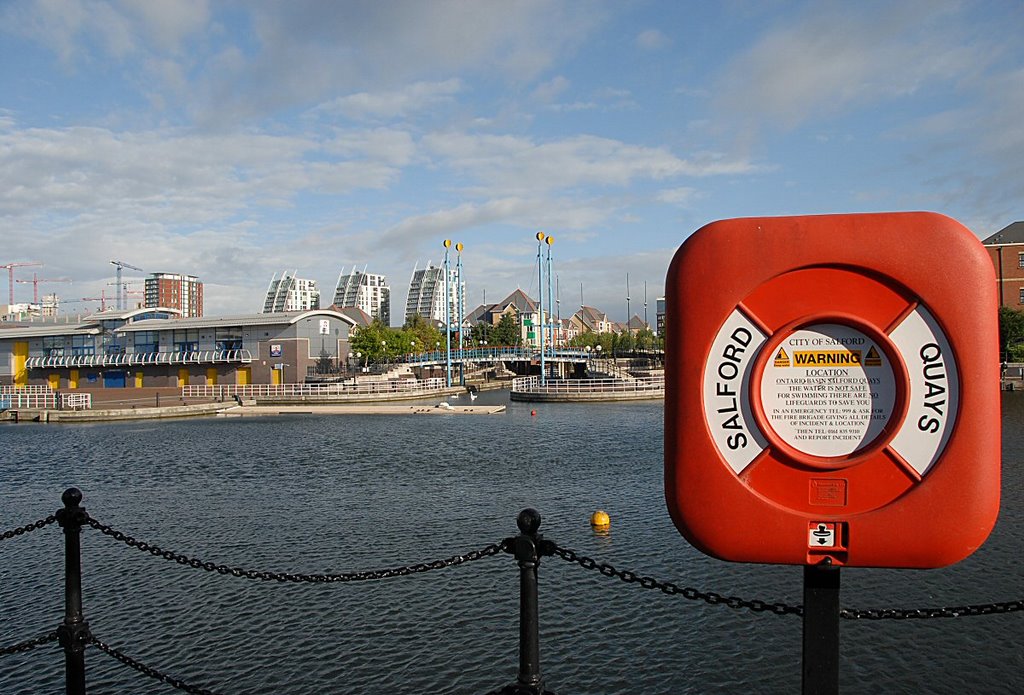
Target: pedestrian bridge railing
x=653, y=386
x=528, y=547
x=353, y=387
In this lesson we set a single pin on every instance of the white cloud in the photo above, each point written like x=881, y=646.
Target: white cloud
x=75, y=29
x=547, y=91
x=682, y=196
x=399, y=103
x=839, y=57
x=652, y=40
x=516, y=164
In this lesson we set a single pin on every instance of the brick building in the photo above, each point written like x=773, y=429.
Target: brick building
x=1006, y=249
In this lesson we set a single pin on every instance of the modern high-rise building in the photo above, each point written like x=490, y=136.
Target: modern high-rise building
x=290, y=293
x=366, y=291
x=426, y=294
x=174, y=291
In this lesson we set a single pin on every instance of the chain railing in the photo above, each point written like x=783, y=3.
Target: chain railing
x=528, y=547
x=157, y=551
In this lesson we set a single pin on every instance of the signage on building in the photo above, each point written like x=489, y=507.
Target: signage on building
x=325, y=327
x=275, y=349
x=832, y=384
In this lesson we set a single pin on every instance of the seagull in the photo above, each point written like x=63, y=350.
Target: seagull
x=445, y=405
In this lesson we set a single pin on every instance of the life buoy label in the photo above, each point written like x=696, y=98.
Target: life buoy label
x=727, y=391
x=934, y=393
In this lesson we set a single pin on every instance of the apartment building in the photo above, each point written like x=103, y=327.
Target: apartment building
x=366, y=291
x=427, y=294
x=174, y=291
x=291, y=293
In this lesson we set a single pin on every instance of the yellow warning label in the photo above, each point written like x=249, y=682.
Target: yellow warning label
x=872, y=359
x=781, y=359
x=831, y=358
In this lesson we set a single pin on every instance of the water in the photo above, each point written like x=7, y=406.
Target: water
x=333, y=494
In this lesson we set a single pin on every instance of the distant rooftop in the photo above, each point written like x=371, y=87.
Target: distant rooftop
x=1010, y=234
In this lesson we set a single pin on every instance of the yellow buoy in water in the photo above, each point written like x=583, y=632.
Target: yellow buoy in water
x=599, y=520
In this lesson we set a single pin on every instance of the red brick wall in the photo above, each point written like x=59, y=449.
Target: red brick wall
x=1009, y=275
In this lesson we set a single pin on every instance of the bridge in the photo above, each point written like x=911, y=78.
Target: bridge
x=501, y=353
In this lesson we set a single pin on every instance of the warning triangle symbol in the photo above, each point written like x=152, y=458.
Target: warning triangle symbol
x=781, y=358
x=872, y=359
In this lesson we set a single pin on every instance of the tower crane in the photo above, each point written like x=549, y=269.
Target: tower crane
x=121, y=265
x=10, y=274
x=125, y=292
x=102, y=299
x=35, y=285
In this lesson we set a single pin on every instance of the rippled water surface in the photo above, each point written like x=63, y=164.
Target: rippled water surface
x=320, y=494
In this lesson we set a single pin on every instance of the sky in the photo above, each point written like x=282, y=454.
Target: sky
x=236, y=140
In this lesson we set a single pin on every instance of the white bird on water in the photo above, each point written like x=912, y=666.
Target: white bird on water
x=472, y=395
x=455, y=395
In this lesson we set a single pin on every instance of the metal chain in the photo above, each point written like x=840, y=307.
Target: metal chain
x=155, y=550
x=148, y=670
x=29, y=527
x=946, y=612
x=669, y=588
x=29, y=644
x=781, y=608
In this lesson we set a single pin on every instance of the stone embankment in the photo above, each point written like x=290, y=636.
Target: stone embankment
x=164, y=403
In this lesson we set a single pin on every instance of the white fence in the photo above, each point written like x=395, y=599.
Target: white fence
x=653, y=386
x=405, y=387
x=45, y=400
x=30, y=388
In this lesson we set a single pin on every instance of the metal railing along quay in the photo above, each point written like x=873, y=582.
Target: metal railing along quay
x=45, y=400
x=405, y=387
x=528, y=547
x=646, y=387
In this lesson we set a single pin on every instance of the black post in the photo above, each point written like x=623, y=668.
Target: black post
x=74, y=631
x=528, y=547
x=821, y=630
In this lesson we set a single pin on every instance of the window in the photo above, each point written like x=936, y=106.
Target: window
x=229, y=339
x=1020, y=260
x=147, y=341
x=1021, y=300
x=83, y=345
x=186, y=340
x=53, y=346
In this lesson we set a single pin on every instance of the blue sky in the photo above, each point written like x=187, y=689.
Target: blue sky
x=233, y=140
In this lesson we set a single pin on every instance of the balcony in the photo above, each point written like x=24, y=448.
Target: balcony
x=141, y=359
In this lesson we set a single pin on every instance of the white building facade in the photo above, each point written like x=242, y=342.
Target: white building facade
x=291, y=293
x=366, y=291
x=427, y=295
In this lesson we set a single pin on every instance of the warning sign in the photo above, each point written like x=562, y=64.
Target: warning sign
x=828, y=402
x=781, y=359
x=872, y=359
x=832, y=358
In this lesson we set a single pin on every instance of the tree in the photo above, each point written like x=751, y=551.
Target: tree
x=1011, y=334
x=506, y=332
x=372, y=341
x=423, y=332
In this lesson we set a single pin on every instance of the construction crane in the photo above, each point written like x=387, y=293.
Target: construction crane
x=10, y=273
x=121, y=265
x=35, y=285
x=123, y=291
x=102, y=299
